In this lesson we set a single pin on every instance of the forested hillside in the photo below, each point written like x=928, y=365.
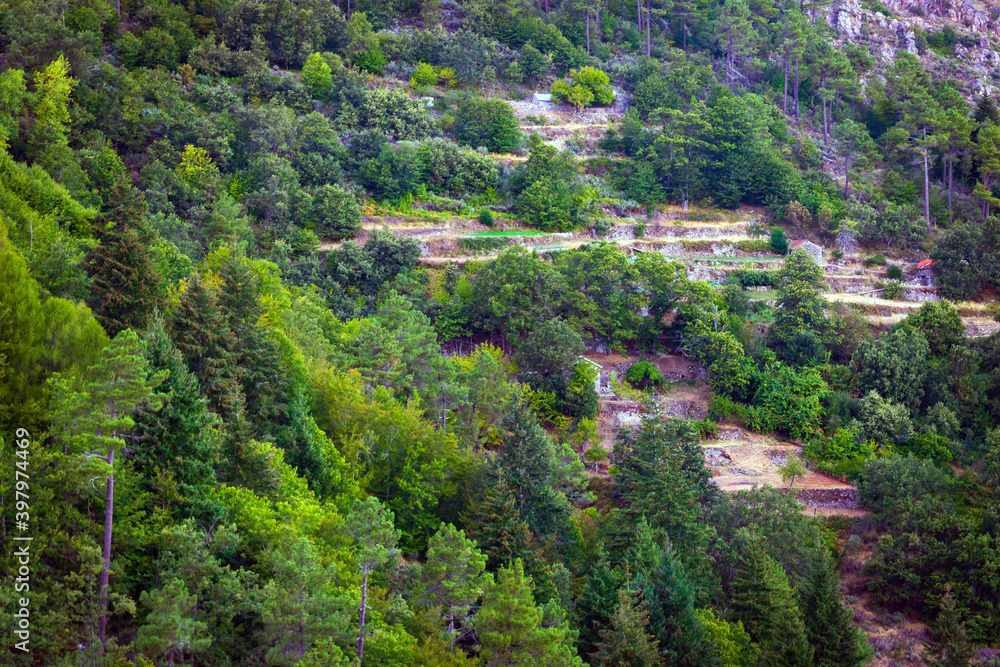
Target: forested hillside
x=497, y=332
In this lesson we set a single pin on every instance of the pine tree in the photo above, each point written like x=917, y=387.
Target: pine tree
x=829, y=622
x=509, y=625
x=202, y=335
x=170, y=630
x=669, y=597
x=452, y=577
x=528, y=462
x=297, y=606
x=986, y=110
x=762, y=599
x=179, y=438
x=625, y=641
x=951, y=646
x=95, y=419
x=126, y=287
x=596, y=603
x=495, y=523
x=371, y=526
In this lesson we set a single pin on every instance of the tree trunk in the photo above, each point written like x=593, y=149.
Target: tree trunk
x=951, y=177
x=836, y=102
x=784, y=98
x=684, y=36
x=826, y=134
x=798, y=115
x=847, y=175
x=927, y=187
x=648, y=50
x=638, y=11
x=361, y=621
x=588, y=31
x=118, y=4
x=109, y=512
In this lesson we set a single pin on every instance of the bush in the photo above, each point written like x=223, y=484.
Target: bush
x=779, y=244
x=490, y=123
x=643, y=373
x=424, y=75
x=753, y=245
x=486, y=217
x=336, y=213
x=894, y=272
x=878, y=259
x=893, y=290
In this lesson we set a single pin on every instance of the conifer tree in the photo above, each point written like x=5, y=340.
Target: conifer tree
x=762, y=599
x=829, y=622
x=626, y=641
x=452, y=577
x=370, y=524
x=202, y=335
x=170, y=630
x=297, y=606
x=669, y=597
x=597, y=603
x=951, y=646
x=179, y=438
x=509, y=625
x=94, y=419
x=126, y=287
x=495, y=523
x=527, y=462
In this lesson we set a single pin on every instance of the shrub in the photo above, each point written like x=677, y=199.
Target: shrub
x=893, y=290
x=753, y=245
x=894, y=272
x=424, y=75
x=486, y=217
x=643, y=373
x=779, y=244
x=490, y=123
x=878, y=259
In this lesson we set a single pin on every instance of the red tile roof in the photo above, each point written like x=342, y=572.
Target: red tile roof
x=796, y=244
x=926, y=264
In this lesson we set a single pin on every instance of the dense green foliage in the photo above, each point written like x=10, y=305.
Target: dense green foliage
x=315, y=448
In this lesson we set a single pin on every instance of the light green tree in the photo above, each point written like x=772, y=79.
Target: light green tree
x=793, y=468
x=317, y=76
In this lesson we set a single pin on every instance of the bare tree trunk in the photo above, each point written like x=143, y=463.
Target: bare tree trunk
x=684, y=30
x=109, y=512
x=927, y=187
x=647, y=29
x=588, y=31
x=836, y=102
x=826, y=137
x=361, y=621
x=798, y=114
x=784, y=99
x=638, y=11
x=847, y=175
x=951, y=177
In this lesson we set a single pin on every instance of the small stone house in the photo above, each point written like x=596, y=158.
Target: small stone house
x=429, y=101
x=597, y=367
x=925, y=272
x=810, y=248
x=543, y=100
